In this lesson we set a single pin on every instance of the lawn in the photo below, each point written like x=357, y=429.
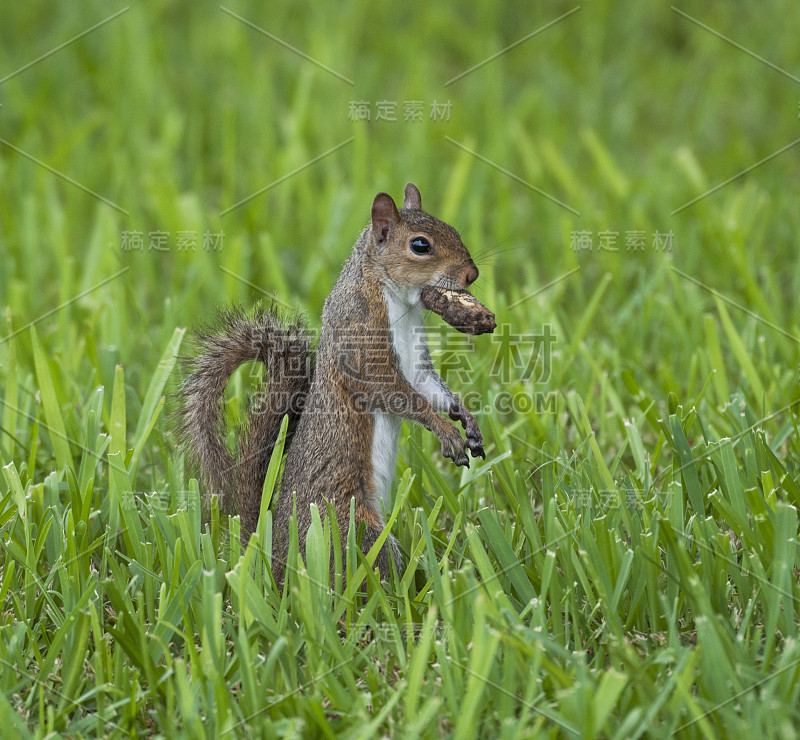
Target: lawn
x=623, y=564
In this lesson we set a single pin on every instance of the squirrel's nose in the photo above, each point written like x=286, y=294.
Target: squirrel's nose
x=470, y=274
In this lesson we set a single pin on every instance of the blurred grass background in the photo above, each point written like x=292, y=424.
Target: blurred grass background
x=622, y=111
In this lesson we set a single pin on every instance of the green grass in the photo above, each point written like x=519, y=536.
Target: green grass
x=623, y=564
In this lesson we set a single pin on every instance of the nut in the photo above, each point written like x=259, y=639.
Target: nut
x=460, y=309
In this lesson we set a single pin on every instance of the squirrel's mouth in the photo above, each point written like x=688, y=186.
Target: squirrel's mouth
x=447, y=283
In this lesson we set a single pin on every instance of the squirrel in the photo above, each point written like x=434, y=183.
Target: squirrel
x=345, y=405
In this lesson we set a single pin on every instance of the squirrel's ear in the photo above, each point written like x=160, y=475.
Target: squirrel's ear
x=413, y=199
x=384, y=216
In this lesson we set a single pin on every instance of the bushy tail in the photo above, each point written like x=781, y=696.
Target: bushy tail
x=234, y=339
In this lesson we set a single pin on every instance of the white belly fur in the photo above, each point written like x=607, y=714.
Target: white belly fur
x=405, y=321
x=384, y=455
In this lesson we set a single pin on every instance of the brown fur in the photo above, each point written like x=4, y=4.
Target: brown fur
x=283, y=347
x=330, y=456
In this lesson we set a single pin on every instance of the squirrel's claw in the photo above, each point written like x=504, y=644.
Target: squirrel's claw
x=459, y=457
x=454, y=447
x=474, y=442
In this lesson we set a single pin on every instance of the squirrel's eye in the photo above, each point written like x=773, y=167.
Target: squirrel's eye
x=420, y=245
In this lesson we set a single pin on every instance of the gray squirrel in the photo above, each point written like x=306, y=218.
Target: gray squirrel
x=372, y=369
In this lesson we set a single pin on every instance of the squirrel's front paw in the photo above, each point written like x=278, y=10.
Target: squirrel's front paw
x=454, y=447
x=458, y=412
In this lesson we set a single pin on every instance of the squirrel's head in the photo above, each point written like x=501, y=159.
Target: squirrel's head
x=414, y=248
